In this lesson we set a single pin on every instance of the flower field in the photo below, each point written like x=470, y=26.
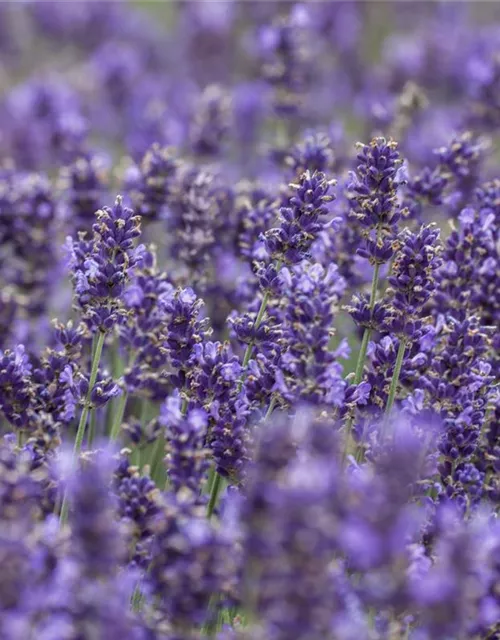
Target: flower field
x=249, y=320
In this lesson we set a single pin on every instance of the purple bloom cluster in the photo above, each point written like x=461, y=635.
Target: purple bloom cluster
x=269, y=407
x=101, y=267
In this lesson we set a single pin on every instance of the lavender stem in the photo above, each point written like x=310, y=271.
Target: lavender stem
x=83, y=419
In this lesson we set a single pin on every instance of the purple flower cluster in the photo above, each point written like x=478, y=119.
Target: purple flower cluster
x=269, y=406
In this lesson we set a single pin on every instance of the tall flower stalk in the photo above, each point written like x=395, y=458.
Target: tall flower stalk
x=80, y=433
x=373, y=198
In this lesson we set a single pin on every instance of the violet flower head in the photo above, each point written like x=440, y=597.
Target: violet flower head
x=256, y=208
x=58, y=381
x=214, y=381
x=423, y=190
x=301, y=220
x=23, y=486
x=138, y=505
x=151, y=184
x=186, y=328
x=29, y=228
x=314, y=153
x=467, y=280
x=84, y=182
x=372, y=189
x=455, y=596
x=187, y=458
x=16, y=388
x=95, y=532
x=116, y=67
x=460, y=163
x=413, y=279
x=102, y=267
x=485, y=91
x=191, y=560
x=45, y=122
x=307, y=370
x=211, y=122
x=145, y=330
x=457, y=382
x=200, y=220
x=373, y=198
x=285, y=50
x=461, y=157
x=285, y=546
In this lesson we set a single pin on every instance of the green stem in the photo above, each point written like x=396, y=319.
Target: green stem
x=258, y=322
x=83, y=419
x=136, y=600
x=270, y=408
x=157, y=456
x=118, y=417
x=360, y=364
x=394, y=382
x=92, y=427
x=120, y=409
x=214, y=494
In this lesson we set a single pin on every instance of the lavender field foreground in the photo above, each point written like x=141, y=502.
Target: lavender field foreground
x=249, y=311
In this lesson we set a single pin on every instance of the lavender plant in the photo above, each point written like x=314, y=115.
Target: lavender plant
x=268, y=407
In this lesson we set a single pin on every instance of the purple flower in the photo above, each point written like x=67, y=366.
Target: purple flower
x=96, y=538
x=103, y=266
x=151, y=184
x=413, y=279
x=301, y=220
x=17, y=393
x=191, y=561
x=84, y=182
x=187, y=457
x=307, y=371
x=211, y=122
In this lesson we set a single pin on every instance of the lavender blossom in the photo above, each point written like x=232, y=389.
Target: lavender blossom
x=302, y=220
x=413, y=281
x=187, y=458
x=190, y=562
x=211, y=122
x=373, y=198
x=307, y=370
x=84, y=182
x=102, y=266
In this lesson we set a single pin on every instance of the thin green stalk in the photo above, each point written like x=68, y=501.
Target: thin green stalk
x=118, y=417
x=394, y=382
x=360, y=364
x=83, y=419
x=214, y=494
x=258, y=321
x=270, y=408
x=120, y=409
x=157, y=456
x=92, y=427
x=136, y=600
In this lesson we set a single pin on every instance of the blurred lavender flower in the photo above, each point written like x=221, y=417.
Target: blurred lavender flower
x=190, y=563
x=187, y=458
x=84, y=182
x=211, y=122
